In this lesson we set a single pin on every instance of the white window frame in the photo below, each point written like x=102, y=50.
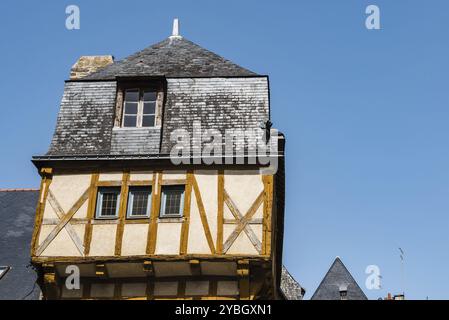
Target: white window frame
x=164, y=200
x=99, y=205
x=3, y=271
x=129, y=214
x=140, y=105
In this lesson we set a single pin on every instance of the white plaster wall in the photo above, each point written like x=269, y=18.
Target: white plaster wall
x=103, y=240
x=67, y=189
x=174, y=175
x=110, y=176
x=244, y=187
x=168, y=238
x=197, y=242
x=141, y=175
x=134, y=240
x=62, y=245
x=241, y=245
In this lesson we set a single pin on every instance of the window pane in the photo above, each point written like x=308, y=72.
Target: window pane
x=149, y=96
x=130, y=121
x=131, y=108
x=149, y=108
x=109, y=204
x=173, y=200
x=140, y=199
x=148, y=121
x=132, y=95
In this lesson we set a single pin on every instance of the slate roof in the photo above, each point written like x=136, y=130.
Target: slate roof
x=17, y=210
x=201, y=86
x=338, y=278
x=291, y=289
x=172, y=57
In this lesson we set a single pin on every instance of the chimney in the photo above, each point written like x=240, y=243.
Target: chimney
x=89, y=64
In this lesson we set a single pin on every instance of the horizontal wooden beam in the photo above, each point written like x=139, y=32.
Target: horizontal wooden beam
x=202, y=257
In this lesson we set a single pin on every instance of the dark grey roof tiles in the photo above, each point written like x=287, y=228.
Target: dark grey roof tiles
x=291, y=289
x=85, y=119
x=176, y=57
x=338, y=279
x=17, y=210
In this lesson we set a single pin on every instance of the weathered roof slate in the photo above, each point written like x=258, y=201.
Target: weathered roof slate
x=338, y=278
x=172, y=57
x=291, y=289
x=85, y=124
x=17, y=210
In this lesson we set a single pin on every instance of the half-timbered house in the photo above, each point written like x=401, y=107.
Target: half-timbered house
x=137, y=224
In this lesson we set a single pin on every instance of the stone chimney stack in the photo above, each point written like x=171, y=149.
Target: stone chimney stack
x=89, y=64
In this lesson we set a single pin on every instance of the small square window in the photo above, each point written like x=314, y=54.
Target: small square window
x=3, y=271
x=139, y=202
x=108, y=202
x=172, y=201
x=139, y=108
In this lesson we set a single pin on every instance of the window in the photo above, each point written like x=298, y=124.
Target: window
x=3, y=271
x=343, y=294
x=108, y=201
x=139, y=202
x=172, y=201
x=139, y=108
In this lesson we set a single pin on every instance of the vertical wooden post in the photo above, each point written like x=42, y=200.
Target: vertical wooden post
x=155, y=207
x=243, y=273
x=267, y=214
x=90, y=212
x=122, y=213
x=220, y=212
x=186, y=223
x=47, y=175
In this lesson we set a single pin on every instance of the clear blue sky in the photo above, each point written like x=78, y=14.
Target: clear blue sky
x=365, y=114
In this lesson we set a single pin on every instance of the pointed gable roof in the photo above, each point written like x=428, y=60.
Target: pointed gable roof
x=338, y=278
x=172, y=57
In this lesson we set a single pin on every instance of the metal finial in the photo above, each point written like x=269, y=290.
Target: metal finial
x=175, y=32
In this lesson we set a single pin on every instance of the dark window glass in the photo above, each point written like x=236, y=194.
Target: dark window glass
x=173, y=197
x=107, y=202
x=149, y=96
x=139, y=200
x=130, y=121
x=148, y=121
x=131, y=108
x=139, y=108
x=149, y=107
x=132, y=95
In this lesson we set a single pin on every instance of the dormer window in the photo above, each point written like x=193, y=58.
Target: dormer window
x=139, y=108
x=139, y=103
